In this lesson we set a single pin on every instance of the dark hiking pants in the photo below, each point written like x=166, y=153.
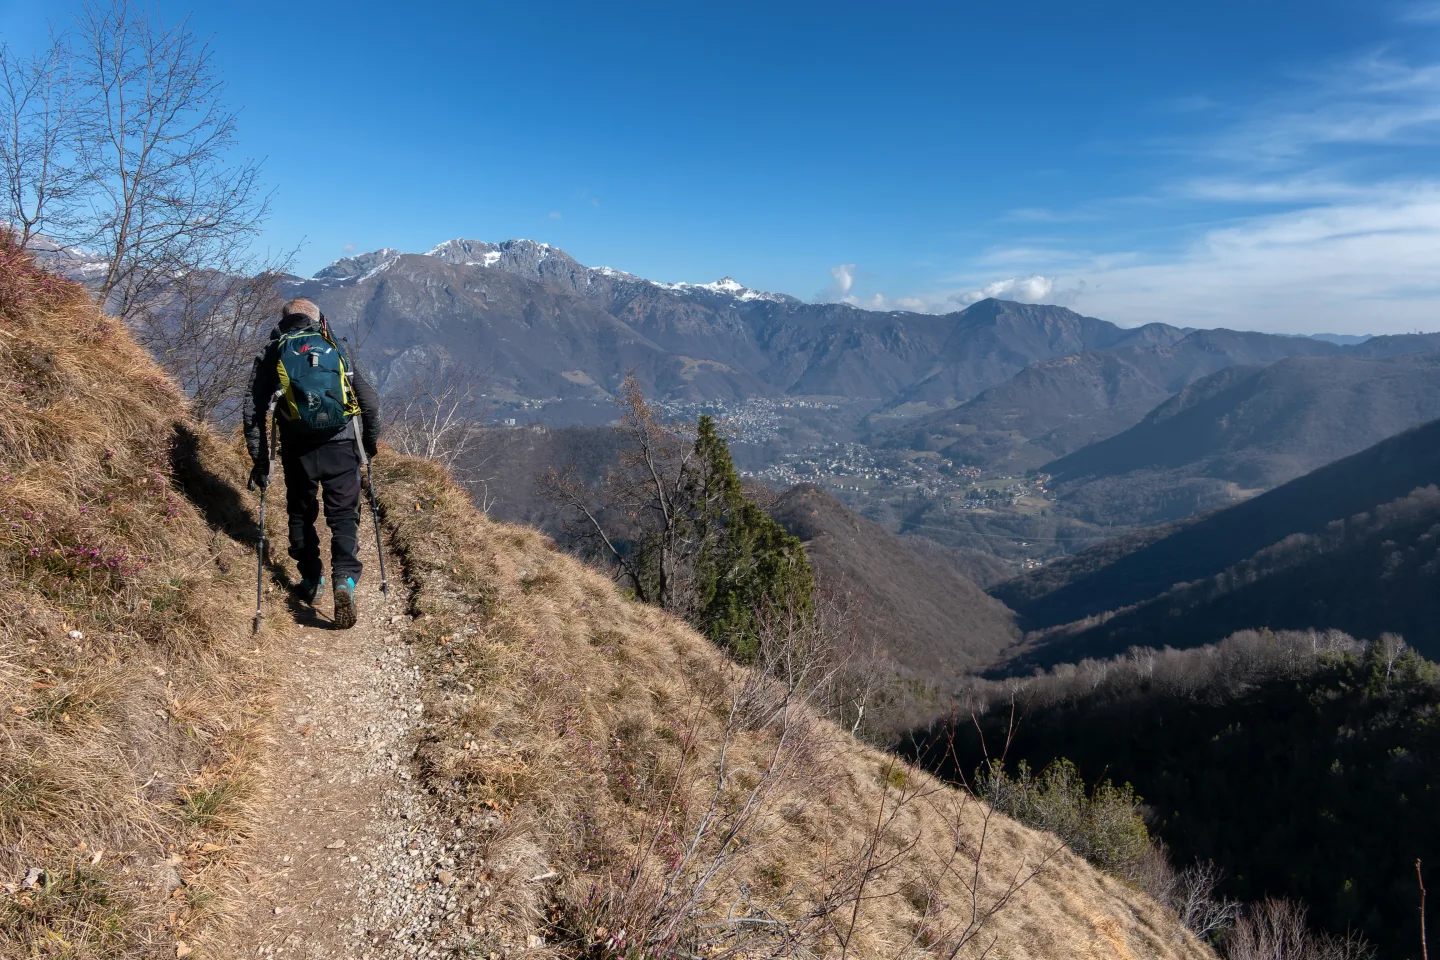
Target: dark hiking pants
x=334, y=467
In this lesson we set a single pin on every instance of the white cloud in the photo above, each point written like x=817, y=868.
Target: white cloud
x=349, y=248
x=878, y=301
x=554, y=214
x=1034, y=289
x=1360, y=267
x=842, y=279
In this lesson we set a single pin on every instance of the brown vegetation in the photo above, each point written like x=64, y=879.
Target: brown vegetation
x=133, y=707
x=675, y=803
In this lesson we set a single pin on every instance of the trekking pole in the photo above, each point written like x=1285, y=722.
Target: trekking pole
x=260, y=547
x=374, y=507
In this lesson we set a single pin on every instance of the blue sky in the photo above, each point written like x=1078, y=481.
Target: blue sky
x=1261, y=165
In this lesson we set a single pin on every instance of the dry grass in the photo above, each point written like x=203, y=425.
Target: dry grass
x=132, y=703
x=606, y=736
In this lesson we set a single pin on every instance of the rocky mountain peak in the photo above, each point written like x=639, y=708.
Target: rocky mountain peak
x=347, y=268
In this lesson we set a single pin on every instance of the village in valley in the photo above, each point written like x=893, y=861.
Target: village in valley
x=769, y=438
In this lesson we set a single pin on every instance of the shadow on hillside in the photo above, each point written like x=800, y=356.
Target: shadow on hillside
x=220, y=502
x=227, y=511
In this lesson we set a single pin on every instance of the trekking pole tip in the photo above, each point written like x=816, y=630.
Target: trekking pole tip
x=255, y=624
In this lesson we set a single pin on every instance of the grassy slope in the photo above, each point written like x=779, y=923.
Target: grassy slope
x=132, y=726
x=597, y=726
x=587, y=727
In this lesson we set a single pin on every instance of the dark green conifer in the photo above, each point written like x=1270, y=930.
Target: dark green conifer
x=748, y=570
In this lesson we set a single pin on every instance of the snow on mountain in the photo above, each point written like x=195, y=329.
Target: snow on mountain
x=82, y=266
x=725, y=286
x=359, y=266
x=537, y=260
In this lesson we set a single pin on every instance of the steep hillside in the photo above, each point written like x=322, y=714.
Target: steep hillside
x=1246, y=429
x=1054, y=407
x=133, y=732
x=1350, y=545
x=669, y=799
x=598, y=727
x=928, y=623
x=1368, y=574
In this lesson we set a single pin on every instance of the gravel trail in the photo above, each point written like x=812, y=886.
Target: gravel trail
x=353, y=858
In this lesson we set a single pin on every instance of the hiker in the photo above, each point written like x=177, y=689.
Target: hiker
x=318, y=395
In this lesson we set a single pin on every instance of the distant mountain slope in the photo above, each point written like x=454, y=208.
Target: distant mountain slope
x=546, y=326
x=993, y=340
x=1054, y=407
x=1244, y=429
x=931, y=622
x=1351, y=545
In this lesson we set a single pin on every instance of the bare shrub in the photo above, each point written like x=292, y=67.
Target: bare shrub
x=205, y=329
x=434, y=411
x=1278, y=930
x=1192, y=893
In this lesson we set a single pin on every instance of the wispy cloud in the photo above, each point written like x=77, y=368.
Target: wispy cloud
x=1366, y=266
x=555, y=214
x=1048, y=215
x=1371, y=100
x=1294, y=215
x=1427, y=12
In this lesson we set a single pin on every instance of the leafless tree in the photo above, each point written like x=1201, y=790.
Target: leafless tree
x=205, y=330
x=117, y=142
x=163, y=198
x=1390, y=647
x=1424, y=941
x=434, y=411
x=40, y=105
x=644, y=496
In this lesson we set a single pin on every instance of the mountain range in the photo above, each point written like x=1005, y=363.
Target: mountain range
x=1057, y=406
x=1246, y=429
x=547, y=327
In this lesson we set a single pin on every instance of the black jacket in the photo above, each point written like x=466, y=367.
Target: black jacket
x=265, y=380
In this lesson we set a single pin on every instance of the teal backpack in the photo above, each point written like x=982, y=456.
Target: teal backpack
x=314, y=384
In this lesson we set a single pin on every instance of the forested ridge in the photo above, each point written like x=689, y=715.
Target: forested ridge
x=1301, y=763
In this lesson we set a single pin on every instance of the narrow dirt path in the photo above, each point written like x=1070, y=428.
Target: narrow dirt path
x=351, y=860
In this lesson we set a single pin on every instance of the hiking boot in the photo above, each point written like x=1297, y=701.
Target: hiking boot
x=345, y=603
x=308, y=592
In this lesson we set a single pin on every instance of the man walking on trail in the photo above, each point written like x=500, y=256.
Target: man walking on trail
x=317, y=395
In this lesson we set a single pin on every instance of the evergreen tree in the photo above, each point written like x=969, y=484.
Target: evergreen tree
x=747, y=568
x=674, y=520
